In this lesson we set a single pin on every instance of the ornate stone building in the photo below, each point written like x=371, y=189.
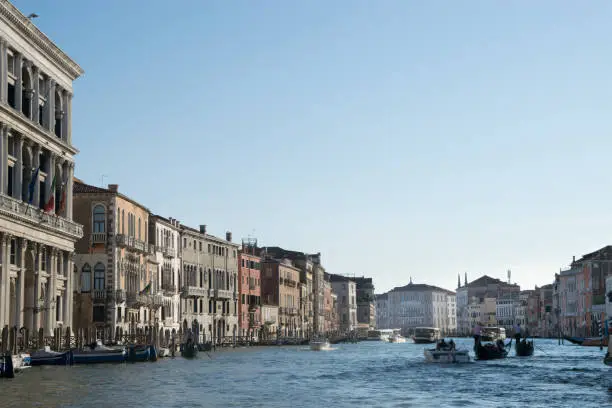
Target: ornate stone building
x=116, y=265
x=165, y=237
x=216, y=269
x=36, y=170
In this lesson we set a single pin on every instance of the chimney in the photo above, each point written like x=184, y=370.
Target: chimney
x=228, y=236
x=114, y=188
x=178, y=223
x=171, y=220
x=574, y=259
x=203, y=229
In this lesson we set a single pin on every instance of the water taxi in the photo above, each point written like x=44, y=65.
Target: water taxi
x=446, y=353
x=397, y=338
x=424, y=335
x=320, y=345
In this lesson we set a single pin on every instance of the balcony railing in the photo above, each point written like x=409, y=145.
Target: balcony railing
x=169, y=288
x=169, y=252
x=131, y=242
x=156, y=301
x=21, y=211
x=120, y=295
x=99, y=295
x=98, y=237
x=193, y=291
x=220, y=293
x=135, y=299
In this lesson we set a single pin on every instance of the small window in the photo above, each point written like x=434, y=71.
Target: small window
x=99, y=218
x=99, y=276
x=13, y=251
x=86, y=279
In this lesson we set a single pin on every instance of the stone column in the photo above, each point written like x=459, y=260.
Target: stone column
x=7, y=298
x=69, y=183
x=69, y=291
x=18, y=169
x=3, y=70
x=18, y=58
x=50, y=315
x=68, y=115
x=20, y=289
x=65, y=109
x=36, y=97
x=50, y=111
x=4, y=281
x=50, y=170
x=3, y=158
x=37, y=265
x=36, y=162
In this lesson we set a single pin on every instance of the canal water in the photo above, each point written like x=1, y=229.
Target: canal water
x=370, y=374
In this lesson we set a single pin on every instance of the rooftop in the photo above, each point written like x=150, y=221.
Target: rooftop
x=420, y=287
x=82, y=188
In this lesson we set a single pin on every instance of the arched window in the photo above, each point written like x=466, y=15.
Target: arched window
x=86, y=279
x=99, y=218
x=139, y=235
x=201, y=278
x=123, y=222
x=99, y=276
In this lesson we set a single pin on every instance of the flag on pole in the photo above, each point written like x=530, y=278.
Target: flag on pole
x=146, y=289
x=32, y=185
x=50, y=205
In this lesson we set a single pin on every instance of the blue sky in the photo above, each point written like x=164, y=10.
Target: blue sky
x=398, y=138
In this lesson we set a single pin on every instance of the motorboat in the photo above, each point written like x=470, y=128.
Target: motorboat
x=97, y=352
x=12, y=364
x=46, y=356
x=446, y=355
x=425, y=335
x=493, y=334
x=397, y=338
x=320, y=345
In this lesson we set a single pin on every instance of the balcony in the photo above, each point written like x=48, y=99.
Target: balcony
x=132, y=243
x=169, y=252
x=120, y=296
x=169, y=289
x=98, y=237
x=135, y=299
x=98, y=295
x=156, y=301
x=193, y=291
x=220, y=293
x=29, y=214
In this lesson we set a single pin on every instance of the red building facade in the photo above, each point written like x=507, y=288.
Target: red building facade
x=249, y=290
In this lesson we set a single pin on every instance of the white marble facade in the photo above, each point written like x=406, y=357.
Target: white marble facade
x=37, y=244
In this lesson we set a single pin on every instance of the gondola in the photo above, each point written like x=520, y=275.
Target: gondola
x=524, y=348
x=490, y=351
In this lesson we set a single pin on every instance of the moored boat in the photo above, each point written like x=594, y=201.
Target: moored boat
x=164, y=352
x=6, y=366
x=97, y=353
x=189, y=350
x=524, y=348
x=138, y=353
x=47, y=356
x=490, y=351
x=574, y=340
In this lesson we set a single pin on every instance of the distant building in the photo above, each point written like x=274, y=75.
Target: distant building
x=477, y=291
x=366, y=302
x=346, y=290
x=420, y=305
x=249, y=290
x=382, y=311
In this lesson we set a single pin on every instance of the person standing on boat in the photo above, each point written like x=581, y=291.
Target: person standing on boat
x=477, y=332
x=517, y=332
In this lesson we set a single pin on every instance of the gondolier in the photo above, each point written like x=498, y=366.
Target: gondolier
x=477, y=331
x=517, y=331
